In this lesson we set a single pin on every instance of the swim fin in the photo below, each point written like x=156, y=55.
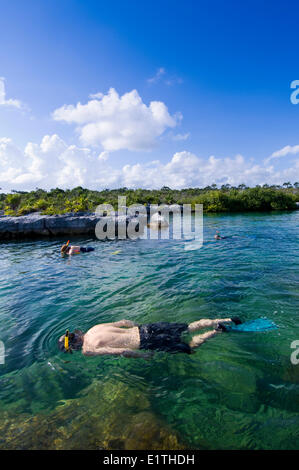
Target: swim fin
x=260, y=324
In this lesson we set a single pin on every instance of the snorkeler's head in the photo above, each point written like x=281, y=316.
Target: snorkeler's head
x=71, y=341
x=64, y=247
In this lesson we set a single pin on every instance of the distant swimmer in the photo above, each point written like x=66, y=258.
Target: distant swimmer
x=68, y=249
x=126, y=338
x=217, y=236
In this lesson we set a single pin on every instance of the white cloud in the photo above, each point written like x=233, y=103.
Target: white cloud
x=287, y=150
x=53, y=163
x=156, y=78
x=10, y=102
x=104, y=155
x=161, y=75
x=179, y=137
x=118, y=122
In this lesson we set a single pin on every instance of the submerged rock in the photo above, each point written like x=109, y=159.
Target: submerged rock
x=109, y=415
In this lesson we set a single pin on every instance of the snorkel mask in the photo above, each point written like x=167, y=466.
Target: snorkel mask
x=71, y=341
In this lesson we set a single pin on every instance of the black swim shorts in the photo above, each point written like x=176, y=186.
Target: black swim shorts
x=87, y=249
x=163, y=336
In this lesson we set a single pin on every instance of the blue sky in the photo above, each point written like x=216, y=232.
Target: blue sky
x=221, y=72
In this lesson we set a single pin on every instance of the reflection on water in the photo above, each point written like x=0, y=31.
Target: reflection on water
x=239, y=390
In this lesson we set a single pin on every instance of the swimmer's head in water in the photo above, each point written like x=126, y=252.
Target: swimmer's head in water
x=71, y=341
x=65, y=247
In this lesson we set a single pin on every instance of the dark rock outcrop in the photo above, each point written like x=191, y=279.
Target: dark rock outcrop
x=37, y=225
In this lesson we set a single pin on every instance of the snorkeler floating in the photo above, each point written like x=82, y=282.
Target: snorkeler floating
x=68, y=249
x=217, y=235
x=125, y=338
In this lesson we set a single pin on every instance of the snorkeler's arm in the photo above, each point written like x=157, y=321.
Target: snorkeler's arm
x=135, y=353
x=116, y=352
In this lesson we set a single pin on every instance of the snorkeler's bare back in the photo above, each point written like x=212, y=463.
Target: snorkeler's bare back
x=116, y=338
x=74, y=250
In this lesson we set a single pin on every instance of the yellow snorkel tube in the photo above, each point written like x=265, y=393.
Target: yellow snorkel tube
x=66, y=342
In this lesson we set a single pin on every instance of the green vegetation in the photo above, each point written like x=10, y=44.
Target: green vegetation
x=224, y=199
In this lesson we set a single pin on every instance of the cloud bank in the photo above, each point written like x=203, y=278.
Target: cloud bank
x=124, y=122
x=53, y=163
x=118, y=122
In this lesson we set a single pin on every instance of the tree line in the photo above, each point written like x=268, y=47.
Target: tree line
x=224, y=199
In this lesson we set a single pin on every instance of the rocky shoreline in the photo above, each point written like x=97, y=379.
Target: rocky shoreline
x=37, y=226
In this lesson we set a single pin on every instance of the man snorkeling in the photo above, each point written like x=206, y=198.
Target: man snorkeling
x=68, y=249
x=125, y=338
x=217, y=235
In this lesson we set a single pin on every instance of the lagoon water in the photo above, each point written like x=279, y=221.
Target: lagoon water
x=239, y=391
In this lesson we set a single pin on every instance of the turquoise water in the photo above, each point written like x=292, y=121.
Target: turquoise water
x=239, y=391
